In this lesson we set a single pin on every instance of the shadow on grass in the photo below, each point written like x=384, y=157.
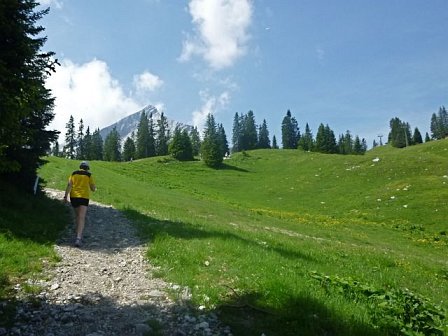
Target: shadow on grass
x=151, y=227
x=225, y=166
x=30, y=217
x=301, y=315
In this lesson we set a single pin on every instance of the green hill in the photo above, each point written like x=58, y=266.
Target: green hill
x=294, y=241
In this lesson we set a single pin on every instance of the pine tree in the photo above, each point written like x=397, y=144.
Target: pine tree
x=129, y=148
x=211, y=147
x=163, y=136
x=290, y=131
x=80, y=145
x=180, y=146
x=195, y=141
x=417, y=137
x=249, y=132
x=263, y=136
x=112, y=146
x=325, y=140
x=427, y=138
x=88, y=145
x=439, y=124
x=223, y=143
x=330, y=141
x=237, y=133
x=400, y=133
x=97, y=145
x=26, y=106
x=306, y=140
x=358, y=146
x=142, y=150
x=346, y=144
x=70, y=139
x=274, y=143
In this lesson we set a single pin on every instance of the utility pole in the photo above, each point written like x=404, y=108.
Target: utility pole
x=380, y=136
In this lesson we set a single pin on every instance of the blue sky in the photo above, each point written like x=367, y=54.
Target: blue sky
x=351, y=64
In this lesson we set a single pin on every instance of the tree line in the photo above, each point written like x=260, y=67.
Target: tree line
x=400, y=134
x=154, y=138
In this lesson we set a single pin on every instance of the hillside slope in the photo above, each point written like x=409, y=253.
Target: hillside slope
x=270, y=222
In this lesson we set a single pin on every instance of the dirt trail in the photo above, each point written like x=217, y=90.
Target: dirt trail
x=107, y=288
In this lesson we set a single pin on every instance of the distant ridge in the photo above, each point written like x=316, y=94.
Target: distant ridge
x=129, y=124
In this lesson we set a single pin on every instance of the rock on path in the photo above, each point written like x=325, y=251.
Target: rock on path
x=106, y=288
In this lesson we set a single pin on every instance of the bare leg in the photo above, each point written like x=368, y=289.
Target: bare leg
x=80, y=220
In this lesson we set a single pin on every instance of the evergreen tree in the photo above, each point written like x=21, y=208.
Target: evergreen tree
x=163, y=136
x=195, y=141
x=427, y=138
x=346, y=143
x=141, y=148
x=358, y=146
x=26, y=106
x=55, y=151
x=223, y=143
x=180, y=146
x=88, y=145
x=306, y=140
x=80, y=145
x=375, y=144
x=263, y=136
x=151, y=140
x=274, y=142
x=400, y=133
x=417, y=137
x=237, y=133
x=325, y=140
x=290, y=131
x=112, y=146
x=364, y=145
x=330, y=141
x=70, y=139
x=97, y=145
x=211, y=146
x=129, y=148
x=249, y=132
x=439, y=124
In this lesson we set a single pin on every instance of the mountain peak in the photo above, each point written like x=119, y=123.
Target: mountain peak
x=129, y=124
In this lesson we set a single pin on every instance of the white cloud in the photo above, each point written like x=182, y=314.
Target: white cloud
x=221, y=27
x=88, y=92
x=147, y=82
x=56, y=3
x=211, y=105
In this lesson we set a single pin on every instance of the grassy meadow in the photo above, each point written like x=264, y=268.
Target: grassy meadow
x=285, y=242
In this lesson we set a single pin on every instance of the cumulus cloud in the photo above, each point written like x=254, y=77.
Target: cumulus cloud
x=89, y=92
x=147, y=82
x=210, y=105
x=221, y=31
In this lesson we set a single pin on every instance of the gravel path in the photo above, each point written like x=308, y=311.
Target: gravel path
x=106, y=288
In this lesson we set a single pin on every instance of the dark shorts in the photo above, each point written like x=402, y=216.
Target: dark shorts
x=76, y=202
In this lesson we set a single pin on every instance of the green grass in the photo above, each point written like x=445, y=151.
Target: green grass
x=249, y=239
x=29, y=226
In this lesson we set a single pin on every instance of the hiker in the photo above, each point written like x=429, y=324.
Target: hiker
x=79, y=185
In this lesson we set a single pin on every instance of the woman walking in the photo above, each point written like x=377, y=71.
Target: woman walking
x=79, y=185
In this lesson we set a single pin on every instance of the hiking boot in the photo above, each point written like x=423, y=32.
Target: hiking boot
x=78, y=242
